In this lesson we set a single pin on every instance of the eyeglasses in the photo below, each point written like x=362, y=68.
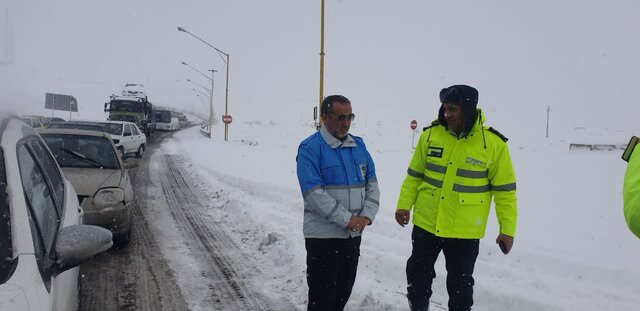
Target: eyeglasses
x=343, y=117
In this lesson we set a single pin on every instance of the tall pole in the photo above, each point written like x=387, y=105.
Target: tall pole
x=220, y=53
x=321, y=95
x=226, y=102
x=211, y=106
x=548, y=109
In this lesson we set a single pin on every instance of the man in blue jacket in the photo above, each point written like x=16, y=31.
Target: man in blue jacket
x=340, y=190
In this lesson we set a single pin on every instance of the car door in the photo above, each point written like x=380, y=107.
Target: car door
x=137, y=140
x=127, y=137
x=43, y=187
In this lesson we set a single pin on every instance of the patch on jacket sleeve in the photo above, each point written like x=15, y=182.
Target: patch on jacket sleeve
x=494, y=131
x=435, y=152
x=363, y=171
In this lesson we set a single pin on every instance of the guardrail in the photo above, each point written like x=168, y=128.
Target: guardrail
x=597, y=147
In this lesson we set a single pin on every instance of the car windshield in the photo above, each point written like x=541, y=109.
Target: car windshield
x=82, y=151
x=113, y=128
x=163, y=116
x=125, y=105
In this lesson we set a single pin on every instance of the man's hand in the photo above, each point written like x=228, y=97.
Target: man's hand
x=357, y=223
x=505, y=242
x=402, y=217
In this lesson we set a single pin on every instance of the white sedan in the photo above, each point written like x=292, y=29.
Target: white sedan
x=125, y=135
x=42, y=240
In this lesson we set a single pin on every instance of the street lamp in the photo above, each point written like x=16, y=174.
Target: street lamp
x=226, y=96
x=211, y=119
x=204, y=87
x=196, y=70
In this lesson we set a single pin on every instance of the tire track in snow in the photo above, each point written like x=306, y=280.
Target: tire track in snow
x=214, y=249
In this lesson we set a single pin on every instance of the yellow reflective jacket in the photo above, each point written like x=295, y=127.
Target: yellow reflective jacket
x=631, y=193
x=451, y=181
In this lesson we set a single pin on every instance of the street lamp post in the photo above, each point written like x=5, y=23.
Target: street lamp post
x=196, y=70
x=211, y=105
x=199, y=85
x=318, y=115
x=226, y=96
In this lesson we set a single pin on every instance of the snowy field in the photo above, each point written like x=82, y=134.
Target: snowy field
x=572, y=249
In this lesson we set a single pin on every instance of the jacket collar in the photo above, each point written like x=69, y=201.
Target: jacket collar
x=334, y=142
x=477, y=126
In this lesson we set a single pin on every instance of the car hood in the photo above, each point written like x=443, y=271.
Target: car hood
x=12, y=297
x=88, y=181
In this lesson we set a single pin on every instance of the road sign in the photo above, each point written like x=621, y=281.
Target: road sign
x=60, y=102
x=227, y=119
x=414, y=124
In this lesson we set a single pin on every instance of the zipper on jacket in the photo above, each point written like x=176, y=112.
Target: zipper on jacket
x=346, y=174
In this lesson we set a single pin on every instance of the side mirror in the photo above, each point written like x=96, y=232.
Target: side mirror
x=78, y=243
x=116, y=141
x=130, y=163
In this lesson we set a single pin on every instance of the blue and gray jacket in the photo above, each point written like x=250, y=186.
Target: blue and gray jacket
x=338, y=180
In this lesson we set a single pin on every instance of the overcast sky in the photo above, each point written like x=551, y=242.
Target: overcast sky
x=390, y=57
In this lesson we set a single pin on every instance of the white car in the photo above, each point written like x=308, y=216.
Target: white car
x=42, y=240
x=125, y=135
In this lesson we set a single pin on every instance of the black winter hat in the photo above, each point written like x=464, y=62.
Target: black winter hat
x=465, y=96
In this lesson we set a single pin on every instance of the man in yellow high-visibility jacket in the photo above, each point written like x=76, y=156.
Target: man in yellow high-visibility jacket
x=457, y=168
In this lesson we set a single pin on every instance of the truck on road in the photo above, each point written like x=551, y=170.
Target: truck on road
x=132, y=106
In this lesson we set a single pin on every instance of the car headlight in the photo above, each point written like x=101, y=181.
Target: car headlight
x=108, y=196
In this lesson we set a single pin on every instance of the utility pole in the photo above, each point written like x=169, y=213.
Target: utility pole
x=548, y=110
x=211, y=106
x=321, y=97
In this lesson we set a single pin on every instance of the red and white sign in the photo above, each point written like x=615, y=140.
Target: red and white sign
x=414, y=124
x=227, y=119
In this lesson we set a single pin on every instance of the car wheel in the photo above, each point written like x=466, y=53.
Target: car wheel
x=140, y=151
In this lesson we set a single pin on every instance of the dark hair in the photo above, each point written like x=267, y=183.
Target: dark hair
x=327, y=103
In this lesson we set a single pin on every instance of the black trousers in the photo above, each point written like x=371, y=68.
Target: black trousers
x=460, y=258
x=331, y=271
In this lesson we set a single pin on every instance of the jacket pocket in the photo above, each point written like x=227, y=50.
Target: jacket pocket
x=473, y=212
x=467, y=199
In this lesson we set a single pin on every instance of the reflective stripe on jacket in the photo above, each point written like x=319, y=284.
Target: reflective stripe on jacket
x=631, y=193
x=451, y=181
x=337, y=180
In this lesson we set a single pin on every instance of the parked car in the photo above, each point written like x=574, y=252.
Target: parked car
x=91, y=162
x=42, y=240
x=125, y=135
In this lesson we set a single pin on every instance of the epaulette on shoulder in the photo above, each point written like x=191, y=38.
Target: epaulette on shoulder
x=434, y=123
x=494, y=131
